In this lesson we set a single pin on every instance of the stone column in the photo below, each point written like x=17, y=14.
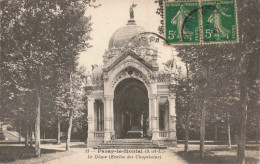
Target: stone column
x=155, y=118
x=112, y=116
x=150, y=113
x=172, y=117
x=103, y=114
x=166, y=125
x=99, y=118
x=158, y=112
x=90, y=118
x=107, y=118
x=95, y=116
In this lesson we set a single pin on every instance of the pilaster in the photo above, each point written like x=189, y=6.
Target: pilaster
x=172, y=117
x=108, y=117
x=155, y=118
x=90, y=118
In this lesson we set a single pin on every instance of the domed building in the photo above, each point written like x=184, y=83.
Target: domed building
x=124, y=34
x=127, y=96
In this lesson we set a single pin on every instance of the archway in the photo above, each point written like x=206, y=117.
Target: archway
x=131, y=109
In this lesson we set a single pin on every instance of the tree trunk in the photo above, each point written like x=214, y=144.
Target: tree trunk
x=216, y=132
x=242, y=139
x=31, y=136
x=187, y=129
x=70, y=119
x=69, y=129
x=228, y=132
x=257, y=130
x=37, y=129
x=19, y=131
x=215, y=126
x=58, y=135
x=26, y=144
x=43, y=136
x=202, y=129
x=26, y=136
x=187, y=124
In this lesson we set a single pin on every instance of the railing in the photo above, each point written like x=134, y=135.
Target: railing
x=162, y=134
x=99, y=134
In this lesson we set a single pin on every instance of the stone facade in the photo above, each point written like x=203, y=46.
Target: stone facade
x=124, y=61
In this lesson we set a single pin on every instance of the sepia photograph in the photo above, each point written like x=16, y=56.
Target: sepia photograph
x=130, y=81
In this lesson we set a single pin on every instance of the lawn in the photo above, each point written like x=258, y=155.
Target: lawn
x=219, y=154
x=22, y=155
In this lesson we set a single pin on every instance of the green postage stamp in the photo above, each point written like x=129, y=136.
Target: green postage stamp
x=200, y=22
x=219, y=21
x=182, y=22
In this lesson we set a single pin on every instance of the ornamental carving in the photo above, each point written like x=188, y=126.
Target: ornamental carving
x=147, y=54
x=162, y=86
x=89, y=89
x=132, y=64
x=129, y=73
x=98, y=80
x=95, y=82
x=166, y=78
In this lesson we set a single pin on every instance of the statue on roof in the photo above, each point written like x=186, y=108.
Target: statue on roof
x=132, y=10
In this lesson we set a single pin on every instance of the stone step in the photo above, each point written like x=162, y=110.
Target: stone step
x=132, y=140
x=130, y=147
x=128, y=143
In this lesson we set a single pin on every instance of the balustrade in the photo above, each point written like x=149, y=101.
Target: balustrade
x=99, y=134
x=162, y=134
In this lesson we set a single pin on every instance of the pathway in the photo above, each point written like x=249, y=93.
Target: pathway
x=119, y=156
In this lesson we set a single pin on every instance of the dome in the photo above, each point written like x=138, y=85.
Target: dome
x=124, y=34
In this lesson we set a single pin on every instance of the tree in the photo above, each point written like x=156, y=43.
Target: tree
x=209, y=70
x=247, y=62
x=71, y=100
x=223, y=79
x=2, y=135
x=35, y=38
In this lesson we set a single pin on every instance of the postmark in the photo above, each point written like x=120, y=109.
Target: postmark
x=200, y=22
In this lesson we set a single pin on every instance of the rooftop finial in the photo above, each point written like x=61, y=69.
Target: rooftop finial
x=132, y=10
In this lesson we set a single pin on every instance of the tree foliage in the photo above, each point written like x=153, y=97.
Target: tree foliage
x=226, y=76
x=40, y=44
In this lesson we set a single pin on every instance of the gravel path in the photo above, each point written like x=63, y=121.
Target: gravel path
x=121, y=156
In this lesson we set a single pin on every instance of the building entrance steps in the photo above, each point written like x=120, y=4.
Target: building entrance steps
x=130, y=144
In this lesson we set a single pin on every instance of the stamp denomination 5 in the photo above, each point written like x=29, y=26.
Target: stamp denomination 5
x=200, y=22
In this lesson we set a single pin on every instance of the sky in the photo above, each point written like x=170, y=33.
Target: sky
x=113, y=14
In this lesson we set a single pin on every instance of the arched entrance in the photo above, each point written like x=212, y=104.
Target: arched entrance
x=131, y=109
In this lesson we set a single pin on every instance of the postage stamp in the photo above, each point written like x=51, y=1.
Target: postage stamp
x=219, y=21
x=182, y=22
x=200, y=21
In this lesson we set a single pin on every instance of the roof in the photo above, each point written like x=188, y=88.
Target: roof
x=125, y=34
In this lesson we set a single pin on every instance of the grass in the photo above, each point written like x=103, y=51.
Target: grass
x=220, y=154
x=22, y=155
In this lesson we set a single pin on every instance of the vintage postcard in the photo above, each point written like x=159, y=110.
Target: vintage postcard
x=132, y=81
